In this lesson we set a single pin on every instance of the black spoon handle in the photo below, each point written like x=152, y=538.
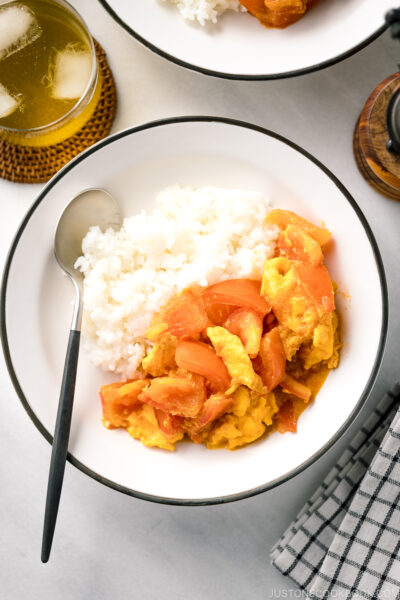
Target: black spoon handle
x=60, y=442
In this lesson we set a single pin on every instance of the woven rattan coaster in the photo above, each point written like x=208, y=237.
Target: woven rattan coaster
x=26, y=164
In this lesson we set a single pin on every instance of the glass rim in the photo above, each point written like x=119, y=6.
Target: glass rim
x=91, y=82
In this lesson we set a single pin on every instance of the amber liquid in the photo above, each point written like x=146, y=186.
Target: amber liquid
x=29, y=76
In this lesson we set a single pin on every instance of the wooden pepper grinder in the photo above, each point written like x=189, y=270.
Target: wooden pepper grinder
x=376, y=140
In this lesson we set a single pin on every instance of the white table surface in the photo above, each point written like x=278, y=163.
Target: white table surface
x=111, y=546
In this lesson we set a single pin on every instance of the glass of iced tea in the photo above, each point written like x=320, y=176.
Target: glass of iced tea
x=49, y=78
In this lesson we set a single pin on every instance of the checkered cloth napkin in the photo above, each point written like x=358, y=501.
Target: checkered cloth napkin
x=345, y=542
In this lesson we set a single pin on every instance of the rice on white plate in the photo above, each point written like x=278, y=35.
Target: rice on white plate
x=191, y=237
x=206, y=10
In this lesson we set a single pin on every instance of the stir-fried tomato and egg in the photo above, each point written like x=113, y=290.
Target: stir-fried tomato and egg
x=278, y=13
x=239, y=357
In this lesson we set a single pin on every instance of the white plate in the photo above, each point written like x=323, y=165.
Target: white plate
x=239, y=47
x=134, y=165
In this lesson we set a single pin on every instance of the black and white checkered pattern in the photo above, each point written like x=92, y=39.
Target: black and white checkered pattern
x=345, y=542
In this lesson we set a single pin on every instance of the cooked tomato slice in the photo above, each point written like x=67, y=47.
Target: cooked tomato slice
x=169, y=424
x=283, y=218
x=182, y=396
x=218, y=313
x=214, y=407
x=297, y=244
x=248, y=326
x=119, y=399
x=183, y=316
x=276, y=13
x=200, y=358
x=243, y=293
x=291, y=386
x=255, y=8
x=273, y=359
x=318, y=285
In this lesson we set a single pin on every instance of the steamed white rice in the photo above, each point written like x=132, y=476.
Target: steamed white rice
x=205, y=10
x=192, y=236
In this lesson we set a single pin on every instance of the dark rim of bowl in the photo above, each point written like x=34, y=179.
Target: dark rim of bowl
x=314, y=457
x=204, y=71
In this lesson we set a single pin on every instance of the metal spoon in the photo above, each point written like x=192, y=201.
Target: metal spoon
x=91, y=207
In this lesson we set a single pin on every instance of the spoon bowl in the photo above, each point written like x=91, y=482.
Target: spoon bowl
x=91, y=207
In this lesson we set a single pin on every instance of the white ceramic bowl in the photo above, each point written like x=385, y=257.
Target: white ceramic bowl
x=238, y=47
x=134, y=165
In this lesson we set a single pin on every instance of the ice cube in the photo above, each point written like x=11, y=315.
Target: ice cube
x=18, y=29
x=72, y=68
x=7, y=102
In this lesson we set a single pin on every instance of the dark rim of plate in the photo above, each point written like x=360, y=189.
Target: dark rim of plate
x=284, y=75
x=321, y=451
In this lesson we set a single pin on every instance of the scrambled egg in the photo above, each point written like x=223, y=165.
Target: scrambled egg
x=245, y=423
x=291, y=341
x=242, y=400
x=325, y=344
x=161, y=357
x=230, y=348
x=290, y=305
x=143, y=426
x=323, y=341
